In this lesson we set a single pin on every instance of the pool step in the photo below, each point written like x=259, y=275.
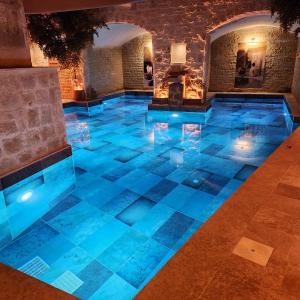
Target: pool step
x=34, y=267
x=68, y=282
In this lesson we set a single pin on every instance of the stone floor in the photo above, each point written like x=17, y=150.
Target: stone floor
x=262, y=218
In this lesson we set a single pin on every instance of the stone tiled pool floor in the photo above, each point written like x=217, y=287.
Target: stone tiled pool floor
x=145, y=183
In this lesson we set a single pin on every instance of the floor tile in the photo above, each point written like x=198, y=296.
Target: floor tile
x=121, y=250
x=136, y=211
x=160, y=190
x=93, y=276
x=115, y=288
x=117, y=204
x=170, y=232
x=144, y=260
x=245, y=172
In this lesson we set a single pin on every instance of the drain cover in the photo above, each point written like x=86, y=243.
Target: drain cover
x=35, y=267
x=68, y=282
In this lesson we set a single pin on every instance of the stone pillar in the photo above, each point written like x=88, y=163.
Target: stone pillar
x=36, y=167
x=14, y=50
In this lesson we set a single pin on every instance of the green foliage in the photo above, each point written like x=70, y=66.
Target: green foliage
x=64, y=35
x=287, y=12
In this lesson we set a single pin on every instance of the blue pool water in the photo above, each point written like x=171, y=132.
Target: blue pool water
x=145, y=182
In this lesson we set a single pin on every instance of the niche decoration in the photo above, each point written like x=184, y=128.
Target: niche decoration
x=250, y=65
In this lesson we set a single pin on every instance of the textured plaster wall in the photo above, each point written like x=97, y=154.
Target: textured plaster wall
x=296, y=81
x=31, y=116
x=14, y=49
x=280, y=58
x=187, y=21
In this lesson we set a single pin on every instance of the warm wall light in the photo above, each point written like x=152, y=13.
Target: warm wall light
x=178, y=53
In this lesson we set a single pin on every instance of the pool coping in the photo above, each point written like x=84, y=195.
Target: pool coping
x=99, y=100
x=266, y=209
x=192, y=105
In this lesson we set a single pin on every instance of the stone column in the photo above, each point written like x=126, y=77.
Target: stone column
x=14, y=50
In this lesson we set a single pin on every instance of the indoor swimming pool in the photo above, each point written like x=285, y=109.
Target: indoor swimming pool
x=145, y=182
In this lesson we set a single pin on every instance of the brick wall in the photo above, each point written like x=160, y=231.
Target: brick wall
x=280, y=59
x=32, y=121
x=296, y=81
x=133, y=62
x=103, y=69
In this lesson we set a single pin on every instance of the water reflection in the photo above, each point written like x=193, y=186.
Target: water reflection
x=78, y=131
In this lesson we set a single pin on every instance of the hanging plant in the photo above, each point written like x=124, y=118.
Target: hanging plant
x=62, y=36
x=287, y=12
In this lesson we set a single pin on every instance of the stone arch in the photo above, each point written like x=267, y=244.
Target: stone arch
x=261, y=24
x=188, y=21
x=118, y=54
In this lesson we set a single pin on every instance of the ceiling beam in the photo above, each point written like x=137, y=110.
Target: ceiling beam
x=47, y=6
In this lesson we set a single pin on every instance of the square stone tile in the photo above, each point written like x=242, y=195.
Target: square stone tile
x=254, y=251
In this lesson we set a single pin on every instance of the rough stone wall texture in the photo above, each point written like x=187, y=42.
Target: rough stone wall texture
x=296, y=81
x=32, y=121
x=14, y=49
x=280, y=59
x=103, y=69
x=187, y=21
x=133, y=62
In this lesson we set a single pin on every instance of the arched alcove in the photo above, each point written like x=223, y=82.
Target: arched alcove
x=121, y=58
x=250, y=54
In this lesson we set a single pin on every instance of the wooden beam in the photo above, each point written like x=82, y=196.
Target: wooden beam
x=37, y=6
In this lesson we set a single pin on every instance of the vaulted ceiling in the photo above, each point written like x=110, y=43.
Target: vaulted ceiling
x=117, y=35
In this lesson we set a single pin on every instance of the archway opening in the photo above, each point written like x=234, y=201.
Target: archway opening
x=252, y=54
x=120, y=59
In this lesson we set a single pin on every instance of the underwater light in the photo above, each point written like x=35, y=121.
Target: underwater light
x=175, y=115
x=26, y=196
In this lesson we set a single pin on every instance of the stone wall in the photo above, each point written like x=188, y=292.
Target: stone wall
x=133, y=62
x=103, y=69
x=14, y=50
x=32, y=121
x=280, y=59
x=296, y=81
x=187, y=21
